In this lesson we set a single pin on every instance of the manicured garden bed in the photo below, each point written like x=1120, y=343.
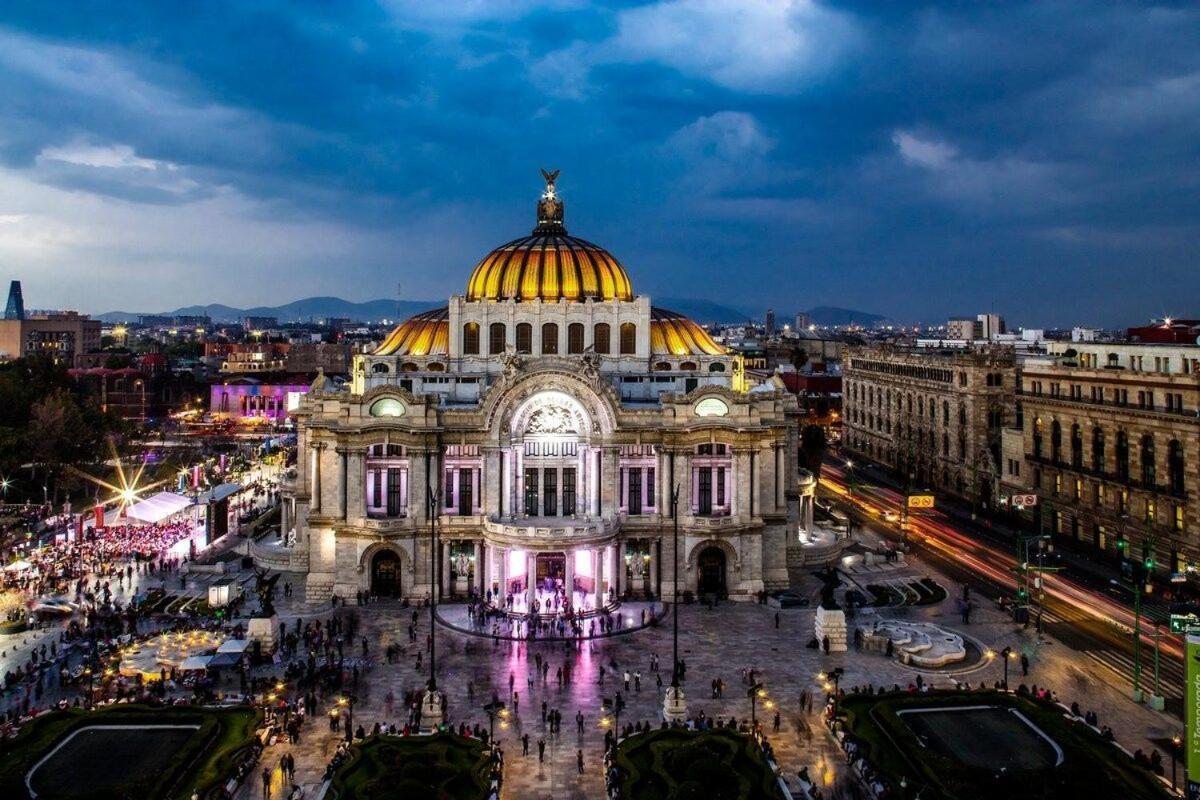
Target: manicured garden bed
x=929, y=753
x=444, y=766
x=170, y=762
x=678, y=764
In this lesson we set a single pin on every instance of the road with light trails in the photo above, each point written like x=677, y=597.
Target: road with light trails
x=1082, y=618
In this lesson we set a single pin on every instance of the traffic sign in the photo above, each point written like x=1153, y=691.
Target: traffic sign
x=920, y=501
x=1181, y=623
x=1024, y=500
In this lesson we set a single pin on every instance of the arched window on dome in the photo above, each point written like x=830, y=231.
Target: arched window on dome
x=575, y=338
x=662, y=366
x=628, y=338
x=524, y=338
x=601, y=338
x=470, y=345
x=496, y=338
x=379, y=368
x=549, y=339
x=716, y=366
x=689, y=366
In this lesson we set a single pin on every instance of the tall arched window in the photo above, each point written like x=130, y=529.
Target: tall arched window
x=601, y=337
x=496, y=338
x=1122, y=456
x=1098, y=449
x=628, y=338
x=1055, y=441
x=575, y=337
x=470, y=346
x=1076, y=447
x=524, y=337
x=1175, y=466
x=1148, y=471
x=549, y=339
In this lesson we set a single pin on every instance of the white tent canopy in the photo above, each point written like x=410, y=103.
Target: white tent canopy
x=233, y=646
x=159, y=507
x=193, y=663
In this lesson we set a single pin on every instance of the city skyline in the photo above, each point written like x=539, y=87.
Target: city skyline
x=915, y=162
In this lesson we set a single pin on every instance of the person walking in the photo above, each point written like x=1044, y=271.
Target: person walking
x=266, y=779
x=579, y=721
x=541, y=751
x=525, y=744
x=1024, y=664
x=579, y=760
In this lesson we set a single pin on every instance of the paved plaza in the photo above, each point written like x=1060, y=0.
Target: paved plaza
x=715, y=644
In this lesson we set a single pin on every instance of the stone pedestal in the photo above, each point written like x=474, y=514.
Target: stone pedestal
x=674, y=705
x=831, y=623
x=265, y=631
x=433, y=712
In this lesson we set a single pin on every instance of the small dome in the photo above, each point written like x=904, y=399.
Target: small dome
x=549, y=264
x=426, y=334
x=673, y=334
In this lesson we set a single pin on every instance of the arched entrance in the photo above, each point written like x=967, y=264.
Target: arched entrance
x=710, y=567
x=385, y=574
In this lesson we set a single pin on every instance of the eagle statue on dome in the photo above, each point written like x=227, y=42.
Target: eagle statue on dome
x=550, y=207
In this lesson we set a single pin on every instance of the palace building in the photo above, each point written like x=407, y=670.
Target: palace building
x=538, y=426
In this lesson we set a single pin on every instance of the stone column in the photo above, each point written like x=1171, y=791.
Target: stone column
x=480, y=549
x=595, y=554
x=609, y=500
x=741, y=484
x=417, y=495
x=340, y=462
x=530, y=571
x=285, y=518
x=315, y=490
x=569, y=575
x=356, y=507
x=444, y=586
x=614, y=574
x=502, y=570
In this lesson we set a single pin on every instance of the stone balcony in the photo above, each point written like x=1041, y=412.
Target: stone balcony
x=550, y=532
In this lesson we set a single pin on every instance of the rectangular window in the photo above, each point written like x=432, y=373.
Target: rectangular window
x=395, y=484
x=720, y=486
x=550, y=492
x=1179, y=518
x=650, y=487
x=705, y=500
x=376, y=488
x=531, y=492
x=466, y=486
x=635, y=490
x=448, y=492
x=568, y=493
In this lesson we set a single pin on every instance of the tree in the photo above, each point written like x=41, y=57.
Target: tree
x=813, y=444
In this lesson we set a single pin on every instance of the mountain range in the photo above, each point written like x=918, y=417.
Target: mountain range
x=318, y=308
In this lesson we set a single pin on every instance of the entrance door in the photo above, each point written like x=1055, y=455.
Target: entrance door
x=385, y=574
x=711, y=568
x=551, y=571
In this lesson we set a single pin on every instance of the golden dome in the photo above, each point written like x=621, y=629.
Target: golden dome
x=675, y=335
x=426, y=334
x=549, y=264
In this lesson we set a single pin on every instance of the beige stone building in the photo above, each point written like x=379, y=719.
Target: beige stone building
x=934, y=415
x=1110, y=435
x=540, y=422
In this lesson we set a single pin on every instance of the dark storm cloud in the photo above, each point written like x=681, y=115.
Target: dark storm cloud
x=913, y=159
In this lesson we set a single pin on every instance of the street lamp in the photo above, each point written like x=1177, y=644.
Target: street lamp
x=754, y=693
x=1176, y=748
x=1006, y=653
x=492, y=709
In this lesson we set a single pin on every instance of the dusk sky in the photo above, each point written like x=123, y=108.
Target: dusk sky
x=911, y=159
